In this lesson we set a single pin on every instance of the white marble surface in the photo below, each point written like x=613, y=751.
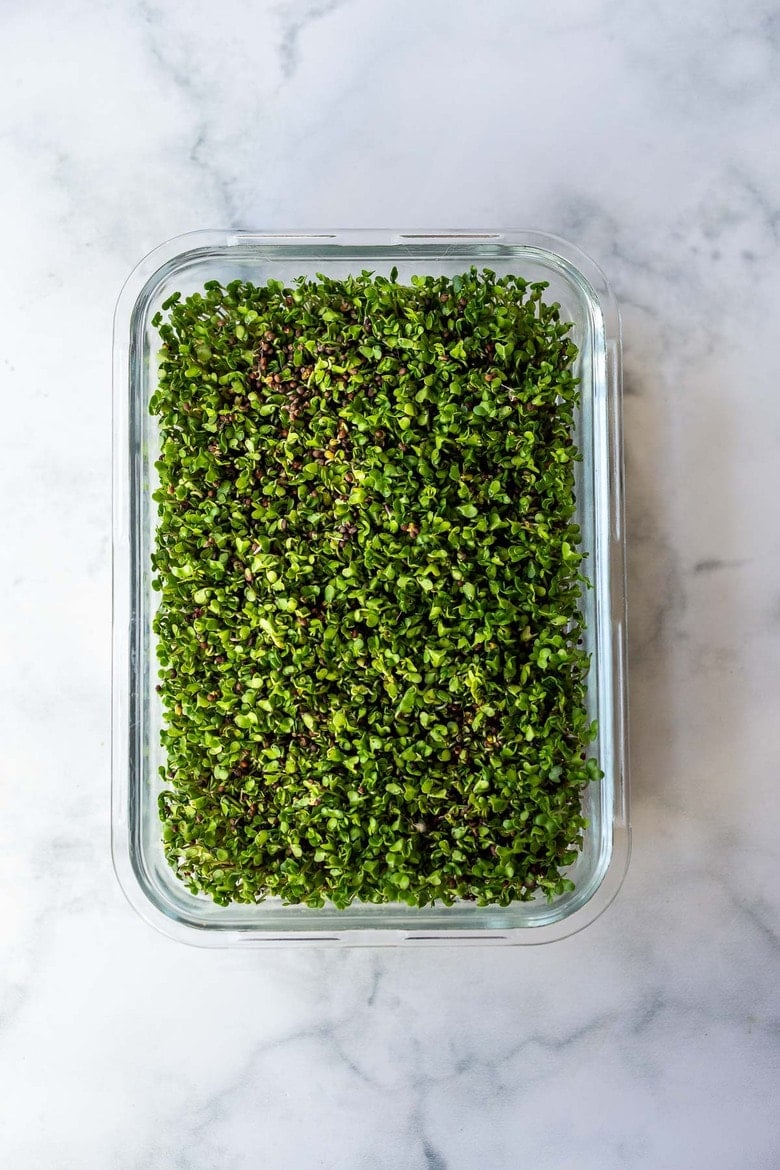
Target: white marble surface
x=646, y=131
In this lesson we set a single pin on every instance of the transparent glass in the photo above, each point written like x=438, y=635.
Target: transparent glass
x=183, y=265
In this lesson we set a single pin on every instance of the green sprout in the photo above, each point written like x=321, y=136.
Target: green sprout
x=369, y=634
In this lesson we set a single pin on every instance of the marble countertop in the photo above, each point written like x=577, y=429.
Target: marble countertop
x=646, y=132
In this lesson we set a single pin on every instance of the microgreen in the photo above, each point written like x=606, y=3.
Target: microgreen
x=370, y=642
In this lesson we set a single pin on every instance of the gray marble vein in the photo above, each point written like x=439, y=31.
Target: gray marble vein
x=647, y=132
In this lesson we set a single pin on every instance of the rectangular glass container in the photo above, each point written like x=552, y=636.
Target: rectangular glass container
x=183, y=265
